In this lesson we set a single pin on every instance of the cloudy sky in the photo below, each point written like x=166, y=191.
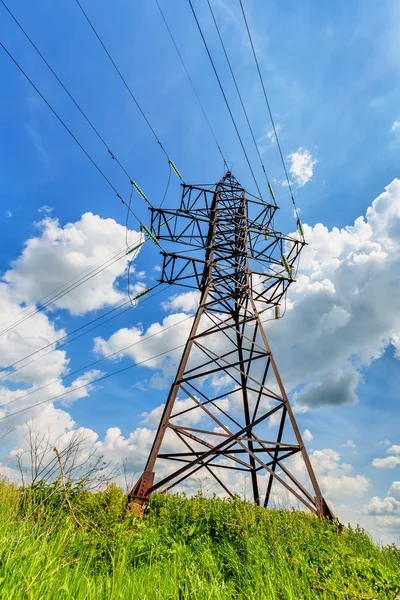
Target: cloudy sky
x=331, y=72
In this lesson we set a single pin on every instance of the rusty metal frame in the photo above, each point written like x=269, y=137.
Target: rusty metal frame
x=230, y=251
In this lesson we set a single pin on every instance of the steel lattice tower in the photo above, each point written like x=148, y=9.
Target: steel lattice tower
x=227, y=384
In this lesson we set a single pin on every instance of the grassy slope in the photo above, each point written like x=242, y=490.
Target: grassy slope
x=185, y=548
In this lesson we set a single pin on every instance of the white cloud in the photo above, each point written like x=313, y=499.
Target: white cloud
x=386, y=511
x=350, y=444
x=307, y=436
x=8, y=214
x=47, y=261
x=301, y=166
x=396, y=126
x=268, y=139
x=334, y=476
x=389, y=462
x=172, y=332
x=335, y=307
x=187, y=302
x=67, y=251
x=45, y=209
x=271, y=133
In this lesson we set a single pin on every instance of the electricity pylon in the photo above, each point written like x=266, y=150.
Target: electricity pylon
x=227, y=412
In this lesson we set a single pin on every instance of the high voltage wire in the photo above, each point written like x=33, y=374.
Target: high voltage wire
x=107, y=376
x=240, y=98
x=67, y=335
x=269, y=111
x=69, y=289
x=224, y=96
x=68, y=130
x=41, y=300
x=69, y=341
x=92, y=364
x=170, y=161
x=192, y=84
x=112, y=154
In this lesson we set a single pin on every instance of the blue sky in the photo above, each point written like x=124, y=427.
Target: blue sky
x=331, y=72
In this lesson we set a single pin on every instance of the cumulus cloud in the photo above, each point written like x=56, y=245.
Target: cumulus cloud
x=396, y=126
x=307, y=436
x=387, y=510
x=56, y=254
x=187, y=302
x=388, y=462
x=67, y=251
x=334, y=387
x=334, y=324
x=301, y=166
x=335, y=477
x=140, y=344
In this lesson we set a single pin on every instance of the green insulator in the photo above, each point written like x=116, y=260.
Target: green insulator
x=277, y=311
x=142, y=294
x=300, y=227
x=139, y=191
x=173, y=165
x=134, y=248
x=286, y=265
x=271, y=191
x=167, y=221
x=147, y=231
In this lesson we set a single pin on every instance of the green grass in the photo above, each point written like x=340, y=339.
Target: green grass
x=193, y=548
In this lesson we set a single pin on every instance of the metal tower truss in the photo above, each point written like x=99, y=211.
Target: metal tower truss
x=227, y=414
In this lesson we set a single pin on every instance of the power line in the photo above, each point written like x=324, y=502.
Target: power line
x=240, y=96
x=67, y=335
x=65, y=291
x=112, y=154
x=69, y=341
x=192, y=85
x=68, y=130
x=123, y=79
x=269, y=110
x=41, y=300
x=92, y=364
x=107, y=376
x=224, y=96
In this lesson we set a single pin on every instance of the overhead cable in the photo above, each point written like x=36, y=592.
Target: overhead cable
x=271, y=117
x=46, y=297
x=67, y=337
x=99, y=136
x=170, y=161
x=65, y=290
x=85, y=385
x=192, y=85
x=96, y=362
x=68, y=130
x=241, y=102
x=224, y=96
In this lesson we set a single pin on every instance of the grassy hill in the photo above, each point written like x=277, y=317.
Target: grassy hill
x=80, y=546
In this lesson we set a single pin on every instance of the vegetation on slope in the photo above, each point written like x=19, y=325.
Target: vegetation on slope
x=72, y=544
